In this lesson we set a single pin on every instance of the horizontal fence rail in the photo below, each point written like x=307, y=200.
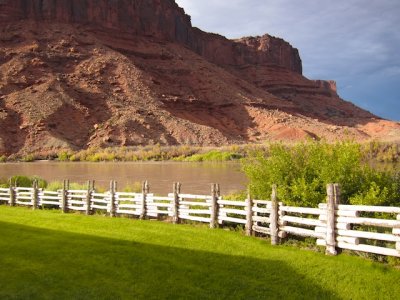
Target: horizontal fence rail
x=372, y=229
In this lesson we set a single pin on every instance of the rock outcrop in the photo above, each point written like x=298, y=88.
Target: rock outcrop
x=162, y=19
x=101, y=73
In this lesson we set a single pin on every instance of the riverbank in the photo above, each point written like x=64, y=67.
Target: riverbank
x=373, y=151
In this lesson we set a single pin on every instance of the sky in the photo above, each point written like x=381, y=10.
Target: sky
x=354, y=42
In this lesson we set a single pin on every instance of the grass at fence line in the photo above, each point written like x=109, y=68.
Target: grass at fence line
x=50, y=255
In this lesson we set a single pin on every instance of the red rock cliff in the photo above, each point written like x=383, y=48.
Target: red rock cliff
x=162, y=19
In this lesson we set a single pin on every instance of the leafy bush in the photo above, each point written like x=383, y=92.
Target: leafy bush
x=27, y=181
x=214, y=155
x=64, y=156
x=28, y=158
x=382, y=152
x=54, y=186
x=4, y=183
x=136, y=187
x=302, y=172
x=58, y=185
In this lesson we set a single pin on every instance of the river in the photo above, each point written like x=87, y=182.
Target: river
x=195, y=177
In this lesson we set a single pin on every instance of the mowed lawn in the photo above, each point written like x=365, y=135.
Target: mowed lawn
x=49, y=255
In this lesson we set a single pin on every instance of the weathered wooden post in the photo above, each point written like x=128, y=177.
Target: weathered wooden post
x=64, y=196
x=35, y=196
x=249, y=214
x=214, y=206
x=330, y=221
x=12, y=194
x=274, y=226
x=90, y=189
x=175, y=207
x=113, y=186
x=396, y=231
x=145, y=191
x=337, y=193
x=218, y=190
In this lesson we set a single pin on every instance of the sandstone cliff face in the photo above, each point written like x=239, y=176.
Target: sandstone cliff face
x=159, y=18
x=162, y=19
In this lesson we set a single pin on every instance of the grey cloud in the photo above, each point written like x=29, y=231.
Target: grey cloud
x=345, y=40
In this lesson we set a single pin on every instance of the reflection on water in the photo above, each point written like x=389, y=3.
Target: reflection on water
x=195, y=177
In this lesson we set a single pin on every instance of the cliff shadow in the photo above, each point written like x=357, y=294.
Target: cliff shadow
x=12, y=135
x=40, y=263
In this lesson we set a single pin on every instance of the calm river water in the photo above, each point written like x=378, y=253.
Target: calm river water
x=195, y=177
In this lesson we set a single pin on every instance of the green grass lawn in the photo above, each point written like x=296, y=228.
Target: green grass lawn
x=49, y=255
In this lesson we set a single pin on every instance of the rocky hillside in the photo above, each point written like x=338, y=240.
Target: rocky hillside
x=82, y=73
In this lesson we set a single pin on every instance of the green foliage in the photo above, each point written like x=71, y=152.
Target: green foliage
x=302, y=172
x=58, y=185
x=382, y=152
x=78, y=186
x=3, y=158
x=27, y=181
x=153, y=153
x=54, y=186
x=4, y=183
x=136, y=187
x=64, y=156
x=147, y=153
x=28, y=158
x=214, y=155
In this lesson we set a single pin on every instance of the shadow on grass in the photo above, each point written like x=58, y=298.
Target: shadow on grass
x=45, y=264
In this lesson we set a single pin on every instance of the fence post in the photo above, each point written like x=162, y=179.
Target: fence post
x=397, y=233
x=274, y=226
x=145, y=191
x=90, y=188
x=175, y=207
x=35, y=194
x=64, y=196
x=330, y=220
x=214, y=206
x=218, y=190
x=113, y=185
x=63, y=204
x=249, y=214
x=12, y=194
x=337, y=193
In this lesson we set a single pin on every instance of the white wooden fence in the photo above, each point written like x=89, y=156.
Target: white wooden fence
x=372, y=229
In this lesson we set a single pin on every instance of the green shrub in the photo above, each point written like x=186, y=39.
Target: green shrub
x=214, y=155
x=382, y=152
x=28, y=158
x=302, y=172
x=77, y=186
x=136, y=187
x=3, y=158
x=4, y=183
x=64, y=156
x=27, y=181
x=54, y=186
